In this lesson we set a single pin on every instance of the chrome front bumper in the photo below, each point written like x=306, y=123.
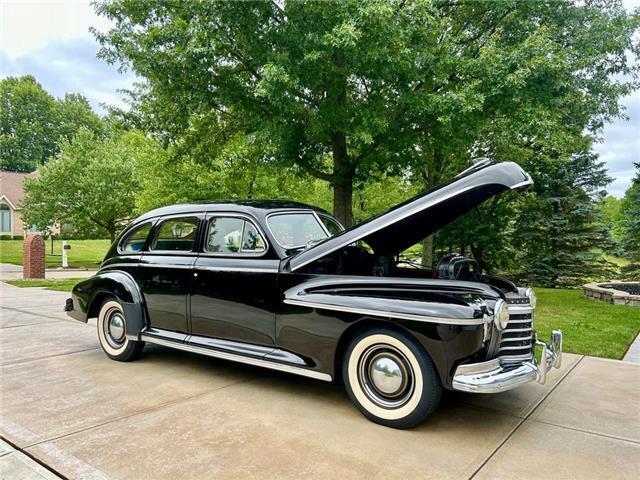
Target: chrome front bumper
x=498, y=376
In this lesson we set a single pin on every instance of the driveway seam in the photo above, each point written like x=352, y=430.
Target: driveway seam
x=590, y=432
x=20, y=362
x=524, y=419
x=32, y=457
x=20, y=310
x=133, y=414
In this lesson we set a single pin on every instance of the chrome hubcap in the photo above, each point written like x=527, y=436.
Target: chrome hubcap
x=387, y=374
x=116, y=326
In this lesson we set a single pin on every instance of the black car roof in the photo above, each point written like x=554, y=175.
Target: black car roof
x=256, y=207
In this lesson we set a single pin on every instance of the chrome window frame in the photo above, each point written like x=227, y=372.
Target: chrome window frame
x=239, y=253
x=121, y=251
x=156, y=229
x=295, y=211
x=334, y=220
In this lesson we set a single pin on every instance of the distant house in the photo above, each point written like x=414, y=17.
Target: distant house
x=11, y=195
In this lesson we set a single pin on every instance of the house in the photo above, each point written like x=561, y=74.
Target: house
x=11, y=195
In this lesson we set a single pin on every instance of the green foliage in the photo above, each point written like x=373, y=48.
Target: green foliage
x=346, y=90
x=32, y=123
x=609, y=211
x=631, y=218
x=91, y=185
x=558, y=227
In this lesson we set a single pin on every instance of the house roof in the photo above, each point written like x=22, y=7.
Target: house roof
x=11, y=187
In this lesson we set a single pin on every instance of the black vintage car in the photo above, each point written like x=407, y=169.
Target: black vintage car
x=282, y=285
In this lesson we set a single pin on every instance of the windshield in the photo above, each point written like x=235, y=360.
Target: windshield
x=295, y=230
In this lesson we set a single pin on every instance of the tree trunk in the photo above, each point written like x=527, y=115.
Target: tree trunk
x=343, y=186
x=112, y=234
x=427, y=251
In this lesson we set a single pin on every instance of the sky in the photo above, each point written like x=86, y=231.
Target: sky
x=50, y=40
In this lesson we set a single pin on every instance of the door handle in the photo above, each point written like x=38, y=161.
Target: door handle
x=195, y=274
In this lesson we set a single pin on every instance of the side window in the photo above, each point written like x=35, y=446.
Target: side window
x=135, y=240
x=233, y=235
x=176, y=235
x=251, y=239
x=331, y=225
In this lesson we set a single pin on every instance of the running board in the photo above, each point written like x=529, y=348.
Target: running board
x=258, y=362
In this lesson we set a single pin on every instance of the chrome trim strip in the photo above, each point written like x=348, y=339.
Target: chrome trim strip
x=236, y=269
x=522, y=347
x=520, y=310
x=517, y=339
x=477, y=165
x=382, y=313
x=154, y=265
x=522, y=184
x=238, y=358
x=198, y=267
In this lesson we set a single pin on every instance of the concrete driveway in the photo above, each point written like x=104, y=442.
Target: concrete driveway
x=170, y=415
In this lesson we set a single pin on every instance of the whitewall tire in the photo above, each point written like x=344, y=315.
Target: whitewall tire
x=390, y=378
x=111, y=333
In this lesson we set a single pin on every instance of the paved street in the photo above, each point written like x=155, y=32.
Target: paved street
x=177, y=415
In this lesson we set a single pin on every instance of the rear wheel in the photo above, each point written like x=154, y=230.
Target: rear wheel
x=112, y=333
x=390, y=378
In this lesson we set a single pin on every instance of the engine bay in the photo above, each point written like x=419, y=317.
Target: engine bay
x=356, y=260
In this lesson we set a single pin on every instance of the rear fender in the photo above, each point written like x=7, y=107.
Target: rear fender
x=88, y=295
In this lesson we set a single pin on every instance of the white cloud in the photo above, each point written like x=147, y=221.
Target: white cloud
x=51, y=41
x=27, y=25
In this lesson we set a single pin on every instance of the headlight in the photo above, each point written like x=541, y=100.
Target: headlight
x=532, y=297
x=500, y=315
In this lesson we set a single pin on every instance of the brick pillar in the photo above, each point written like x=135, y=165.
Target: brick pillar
x=33, y=257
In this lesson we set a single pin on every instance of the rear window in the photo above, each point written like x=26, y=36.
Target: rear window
x=134, y=241
x=176, y=235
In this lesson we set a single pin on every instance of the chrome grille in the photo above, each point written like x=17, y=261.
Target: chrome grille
x=517, y=340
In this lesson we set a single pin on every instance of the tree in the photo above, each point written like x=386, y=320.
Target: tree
x=28, y=124
x=347, y=89
x=631, y=218
x=32, y=122
x=91, y=185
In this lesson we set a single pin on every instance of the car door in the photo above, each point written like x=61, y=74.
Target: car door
x=166, y=271
x=234, y=285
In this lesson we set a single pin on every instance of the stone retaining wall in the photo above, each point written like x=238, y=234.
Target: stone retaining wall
x=598, y=291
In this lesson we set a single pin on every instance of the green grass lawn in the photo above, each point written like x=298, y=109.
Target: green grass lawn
x=590, y=327
x=83, y=253
x=62, y=285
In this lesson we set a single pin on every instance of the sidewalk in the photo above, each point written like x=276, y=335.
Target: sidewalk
x=177, y=415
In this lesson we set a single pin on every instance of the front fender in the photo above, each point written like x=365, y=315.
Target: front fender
x=87, y=296
x=447, y=317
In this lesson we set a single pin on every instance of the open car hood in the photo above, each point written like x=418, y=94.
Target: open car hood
x=408, y=223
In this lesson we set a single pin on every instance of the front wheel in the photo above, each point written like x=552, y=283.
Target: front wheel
x=390, y=378
x=111, y=332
